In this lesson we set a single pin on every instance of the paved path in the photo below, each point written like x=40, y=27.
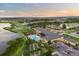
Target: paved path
x=6, y=36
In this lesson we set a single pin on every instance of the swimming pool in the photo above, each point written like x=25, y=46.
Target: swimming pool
x=34, y=37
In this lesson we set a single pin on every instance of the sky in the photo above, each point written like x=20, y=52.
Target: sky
x=38, y=9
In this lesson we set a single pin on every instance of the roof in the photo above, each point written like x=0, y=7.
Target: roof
x=49, y=35
x=53, y=36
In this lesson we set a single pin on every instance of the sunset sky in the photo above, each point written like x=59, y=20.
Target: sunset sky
x=37, y=9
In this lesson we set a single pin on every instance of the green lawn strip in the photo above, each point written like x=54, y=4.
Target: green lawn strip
x=75, y=38
x=10, y=29
x=18, y=51
x=22, y=30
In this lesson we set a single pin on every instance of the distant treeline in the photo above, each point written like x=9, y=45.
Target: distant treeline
x=37, y=19
x=72, y=20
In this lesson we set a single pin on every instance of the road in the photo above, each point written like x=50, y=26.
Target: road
x=6, y=36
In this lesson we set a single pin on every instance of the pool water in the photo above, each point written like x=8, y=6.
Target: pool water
x=34, y=37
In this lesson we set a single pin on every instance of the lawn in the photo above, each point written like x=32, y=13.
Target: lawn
x=15, y=48
x=75, y=38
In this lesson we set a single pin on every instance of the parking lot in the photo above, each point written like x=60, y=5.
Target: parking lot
x=65, y=50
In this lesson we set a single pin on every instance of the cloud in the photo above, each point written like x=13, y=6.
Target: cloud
x=71, y=12
x=63, y=11
x=2, y=11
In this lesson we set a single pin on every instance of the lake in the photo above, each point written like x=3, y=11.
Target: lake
x=6, y=36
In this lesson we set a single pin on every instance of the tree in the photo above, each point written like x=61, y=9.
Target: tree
x=64, y=26
x=49, y=42
x=49, y=51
